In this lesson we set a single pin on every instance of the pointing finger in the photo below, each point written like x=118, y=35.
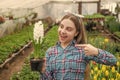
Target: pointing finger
x=81, y=45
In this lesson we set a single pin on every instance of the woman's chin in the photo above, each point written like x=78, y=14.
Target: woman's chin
x=62, y=41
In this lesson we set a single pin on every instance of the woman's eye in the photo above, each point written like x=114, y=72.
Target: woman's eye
x=69, y=29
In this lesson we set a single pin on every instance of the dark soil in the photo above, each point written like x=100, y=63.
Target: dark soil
x=15, y=65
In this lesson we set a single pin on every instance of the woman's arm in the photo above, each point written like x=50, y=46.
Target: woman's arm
x=103, y=57
x=46, y=76
x=98, y=55
x=46, y=72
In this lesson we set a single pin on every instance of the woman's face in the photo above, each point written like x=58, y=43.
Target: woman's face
x=66, y=31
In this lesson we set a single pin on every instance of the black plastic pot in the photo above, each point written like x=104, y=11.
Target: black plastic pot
x=36, y=64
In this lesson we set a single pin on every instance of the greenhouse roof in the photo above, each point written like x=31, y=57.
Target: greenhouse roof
x=21, y=3
x=35, y=3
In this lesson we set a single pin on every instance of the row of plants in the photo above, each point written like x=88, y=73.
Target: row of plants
x=112, y=25
x=94, y=16
x=34, y=75
x=109, y=23
x=12, y=43
x=105, y=44
x=103, y=72
x=94, y=22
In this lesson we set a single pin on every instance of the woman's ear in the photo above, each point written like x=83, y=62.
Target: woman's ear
x=76, y=34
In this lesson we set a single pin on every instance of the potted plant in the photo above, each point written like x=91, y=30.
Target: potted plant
x=38, y=55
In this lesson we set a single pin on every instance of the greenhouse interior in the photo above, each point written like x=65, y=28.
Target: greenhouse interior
x=30, y=28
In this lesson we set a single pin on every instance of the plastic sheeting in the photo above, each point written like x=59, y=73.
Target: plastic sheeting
x=35, y=3
x=21, y=3
x=10, y=26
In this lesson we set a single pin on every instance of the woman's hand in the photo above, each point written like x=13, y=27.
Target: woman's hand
x=89, y=49
x=44, y=66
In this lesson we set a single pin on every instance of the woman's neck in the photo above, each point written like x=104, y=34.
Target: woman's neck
x=64, y=45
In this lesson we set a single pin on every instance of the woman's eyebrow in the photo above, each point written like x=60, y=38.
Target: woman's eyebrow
x=69, y=27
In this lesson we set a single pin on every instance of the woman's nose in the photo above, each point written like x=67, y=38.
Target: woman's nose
x=63, y=31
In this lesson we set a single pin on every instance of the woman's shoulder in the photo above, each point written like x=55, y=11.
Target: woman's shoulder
x=51, y=49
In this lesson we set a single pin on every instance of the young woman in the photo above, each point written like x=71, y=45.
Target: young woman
x=67, y=60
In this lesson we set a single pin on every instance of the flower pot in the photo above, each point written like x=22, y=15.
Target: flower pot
x=36, y=64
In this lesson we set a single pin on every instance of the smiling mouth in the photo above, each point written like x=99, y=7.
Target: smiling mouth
x=64, y=36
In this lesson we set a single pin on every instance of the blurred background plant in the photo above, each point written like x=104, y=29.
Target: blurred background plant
x=100, y=71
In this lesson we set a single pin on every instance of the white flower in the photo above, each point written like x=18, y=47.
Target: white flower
x=38, y=32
